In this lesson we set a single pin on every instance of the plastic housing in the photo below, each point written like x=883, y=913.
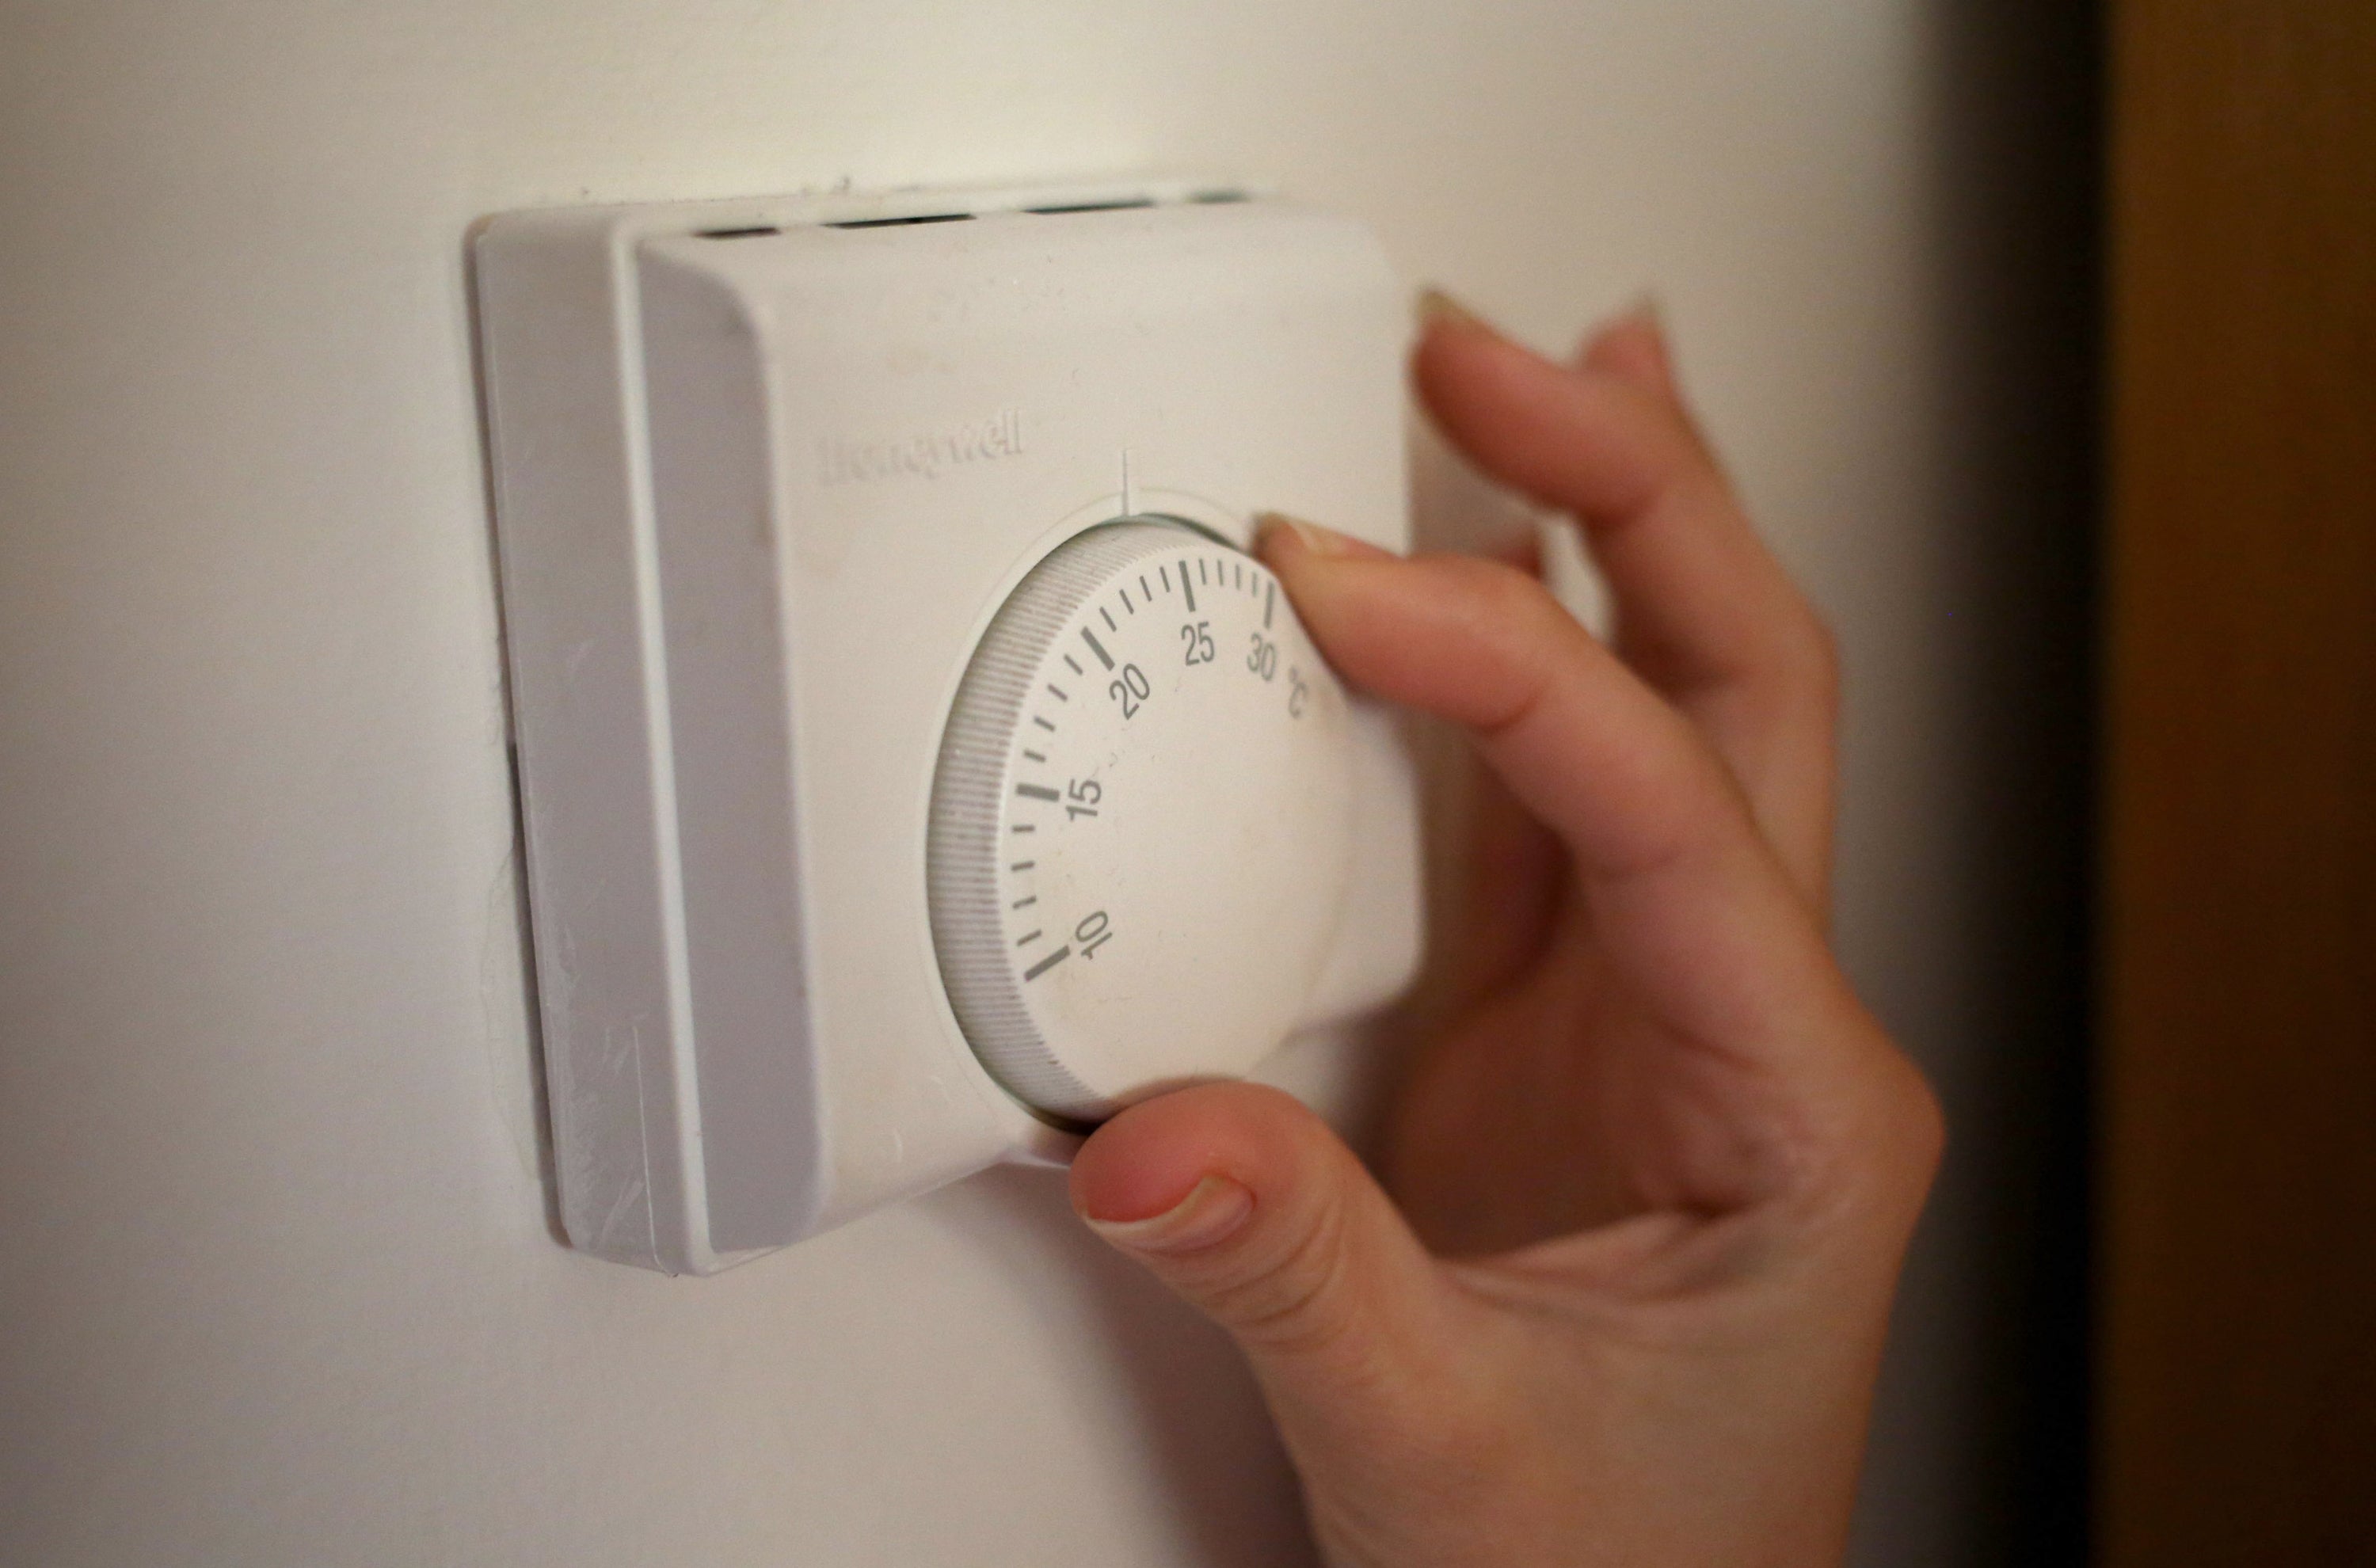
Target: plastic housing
x=764, y=470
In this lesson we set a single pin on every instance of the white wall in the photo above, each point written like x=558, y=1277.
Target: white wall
x=277, y=1287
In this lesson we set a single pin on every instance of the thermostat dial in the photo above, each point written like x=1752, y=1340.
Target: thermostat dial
x=1139, y=840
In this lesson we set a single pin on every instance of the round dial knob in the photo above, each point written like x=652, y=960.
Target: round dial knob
x=1139, y=830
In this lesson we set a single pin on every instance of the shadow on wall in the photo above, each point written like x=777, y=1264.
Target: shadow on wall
x=2015, y=89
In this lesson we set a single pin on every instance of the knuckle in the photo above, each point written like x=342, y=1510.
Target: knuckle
x=1922, y=1118
x=1294, y=1303
x=1821, y=652
x=1702, y=486
x=1864, y=1140
x=1695, y=789
x=1806, y=654
x=1502, y=594
x=1902, y=1135
x=1519, y=627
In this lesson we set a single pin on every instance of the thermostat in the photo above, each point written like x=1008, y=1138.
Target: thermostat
x=916, y=766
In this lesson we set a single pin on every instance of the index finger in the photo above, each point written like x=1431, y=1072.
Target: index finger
x=1704, y=611
x=1686, y=896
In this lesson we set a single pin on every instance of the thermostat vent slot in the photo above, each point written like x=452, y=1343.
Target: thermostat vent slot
x=902, y=222
x=1118, y=206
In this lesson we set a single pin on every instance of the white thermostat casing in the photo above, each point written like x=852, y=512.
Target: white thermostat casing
x=783, y=484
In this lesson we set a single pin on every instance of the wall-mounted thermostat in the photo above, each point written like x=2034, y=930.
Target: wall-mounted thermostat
x=915, y=767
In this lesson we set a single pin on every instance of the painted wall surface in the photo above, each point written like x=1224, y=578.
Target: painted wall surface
x=275, y=1283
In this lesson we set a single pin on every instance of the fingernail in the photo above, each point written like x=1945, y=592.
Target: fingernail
x=1437, y=308
x=1311, y=536
x=1214, y=1209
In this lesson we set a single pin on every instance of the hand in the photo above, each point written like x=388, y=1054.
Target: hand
x=1652, y=1180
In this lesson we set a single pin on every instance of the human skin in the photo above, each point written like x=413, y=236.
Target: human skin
x=1618, y=1292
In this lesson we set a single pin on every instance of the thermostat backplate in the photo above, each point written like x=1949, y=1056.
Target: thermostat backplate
x=764, y=471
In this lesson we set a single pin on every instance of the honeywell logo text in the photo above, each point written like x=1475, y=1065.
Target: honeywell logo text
x=854, y=460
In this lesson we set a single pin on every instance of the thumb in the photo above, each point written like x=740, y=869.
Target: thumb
x=1244, y=1202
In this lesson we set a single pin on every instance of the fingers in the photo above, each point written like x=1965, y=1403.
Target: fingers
x=1591, y=444
x=1245, y=1204
x=1631, y=345
x=1684, y=893
x=1704, y=613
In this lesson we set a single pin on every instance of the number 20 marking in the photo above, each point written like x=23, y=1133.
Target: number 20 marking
x=1129, y=689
